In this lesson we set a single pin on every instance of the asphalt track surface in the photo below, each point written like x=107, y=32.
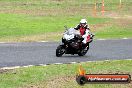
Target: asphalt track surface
x=35, y=53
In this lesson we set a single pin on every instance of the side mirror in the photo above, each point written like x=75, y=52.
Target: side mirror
x=65, y=27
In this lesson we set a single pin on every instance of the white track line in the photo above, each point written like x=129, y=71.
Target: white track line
x=15, y=67
x=25, y=66
x=101, y=39
x=115, y=39
x=30, y=65
x=58, y=63
x=44, y=65
x=73, y=62
x=41, y=64
x=124, y=38
x=2, y=42
x=43, y=41
x=11, y=67
x=128, y=59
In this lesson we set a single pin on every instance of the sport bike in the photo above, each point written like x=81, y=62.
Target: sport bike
x=72, y=43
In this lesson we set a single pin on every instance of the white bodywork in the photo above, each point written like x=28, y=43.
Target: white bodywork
x=70, y=33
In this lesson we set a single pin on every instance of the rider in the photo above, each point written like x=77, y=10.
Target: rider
x=84, y=31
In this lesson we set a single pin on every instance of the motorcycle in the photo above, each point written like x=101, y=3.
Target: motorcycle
x=72, y=43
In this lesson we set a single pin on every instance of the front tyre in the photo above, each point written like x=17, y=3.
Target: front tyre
x=60, y=51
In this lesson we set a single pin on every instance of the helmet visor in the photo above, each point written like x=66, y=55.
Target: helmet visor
x=83, y=24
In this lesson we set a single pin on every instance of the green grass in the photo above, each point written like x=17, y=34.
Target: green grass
x=28, y=18
x=43, y=76
x=114, y=32
x=18, y=25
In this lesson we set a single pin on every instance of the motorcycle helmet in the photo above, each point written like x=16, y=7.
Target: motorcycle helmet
x=83, y=22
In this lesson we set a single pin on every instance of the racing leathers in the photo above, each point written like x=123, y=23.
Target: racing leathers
x=84, y=32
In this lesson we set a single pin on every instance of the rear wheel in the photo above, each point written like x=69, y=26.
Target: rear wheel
x=60, y=51
x=83, y=51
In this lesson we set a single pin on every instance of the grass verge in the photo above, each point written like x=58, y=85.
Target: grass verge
x=63, y=76
x=35, y=20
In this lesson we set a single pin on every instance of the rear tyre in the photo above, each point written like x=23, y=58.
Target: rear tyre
x=60, y=51
x=84, y=51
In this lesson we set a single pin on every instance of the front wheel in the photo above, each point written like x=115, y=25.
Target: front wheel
x=60, y=51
